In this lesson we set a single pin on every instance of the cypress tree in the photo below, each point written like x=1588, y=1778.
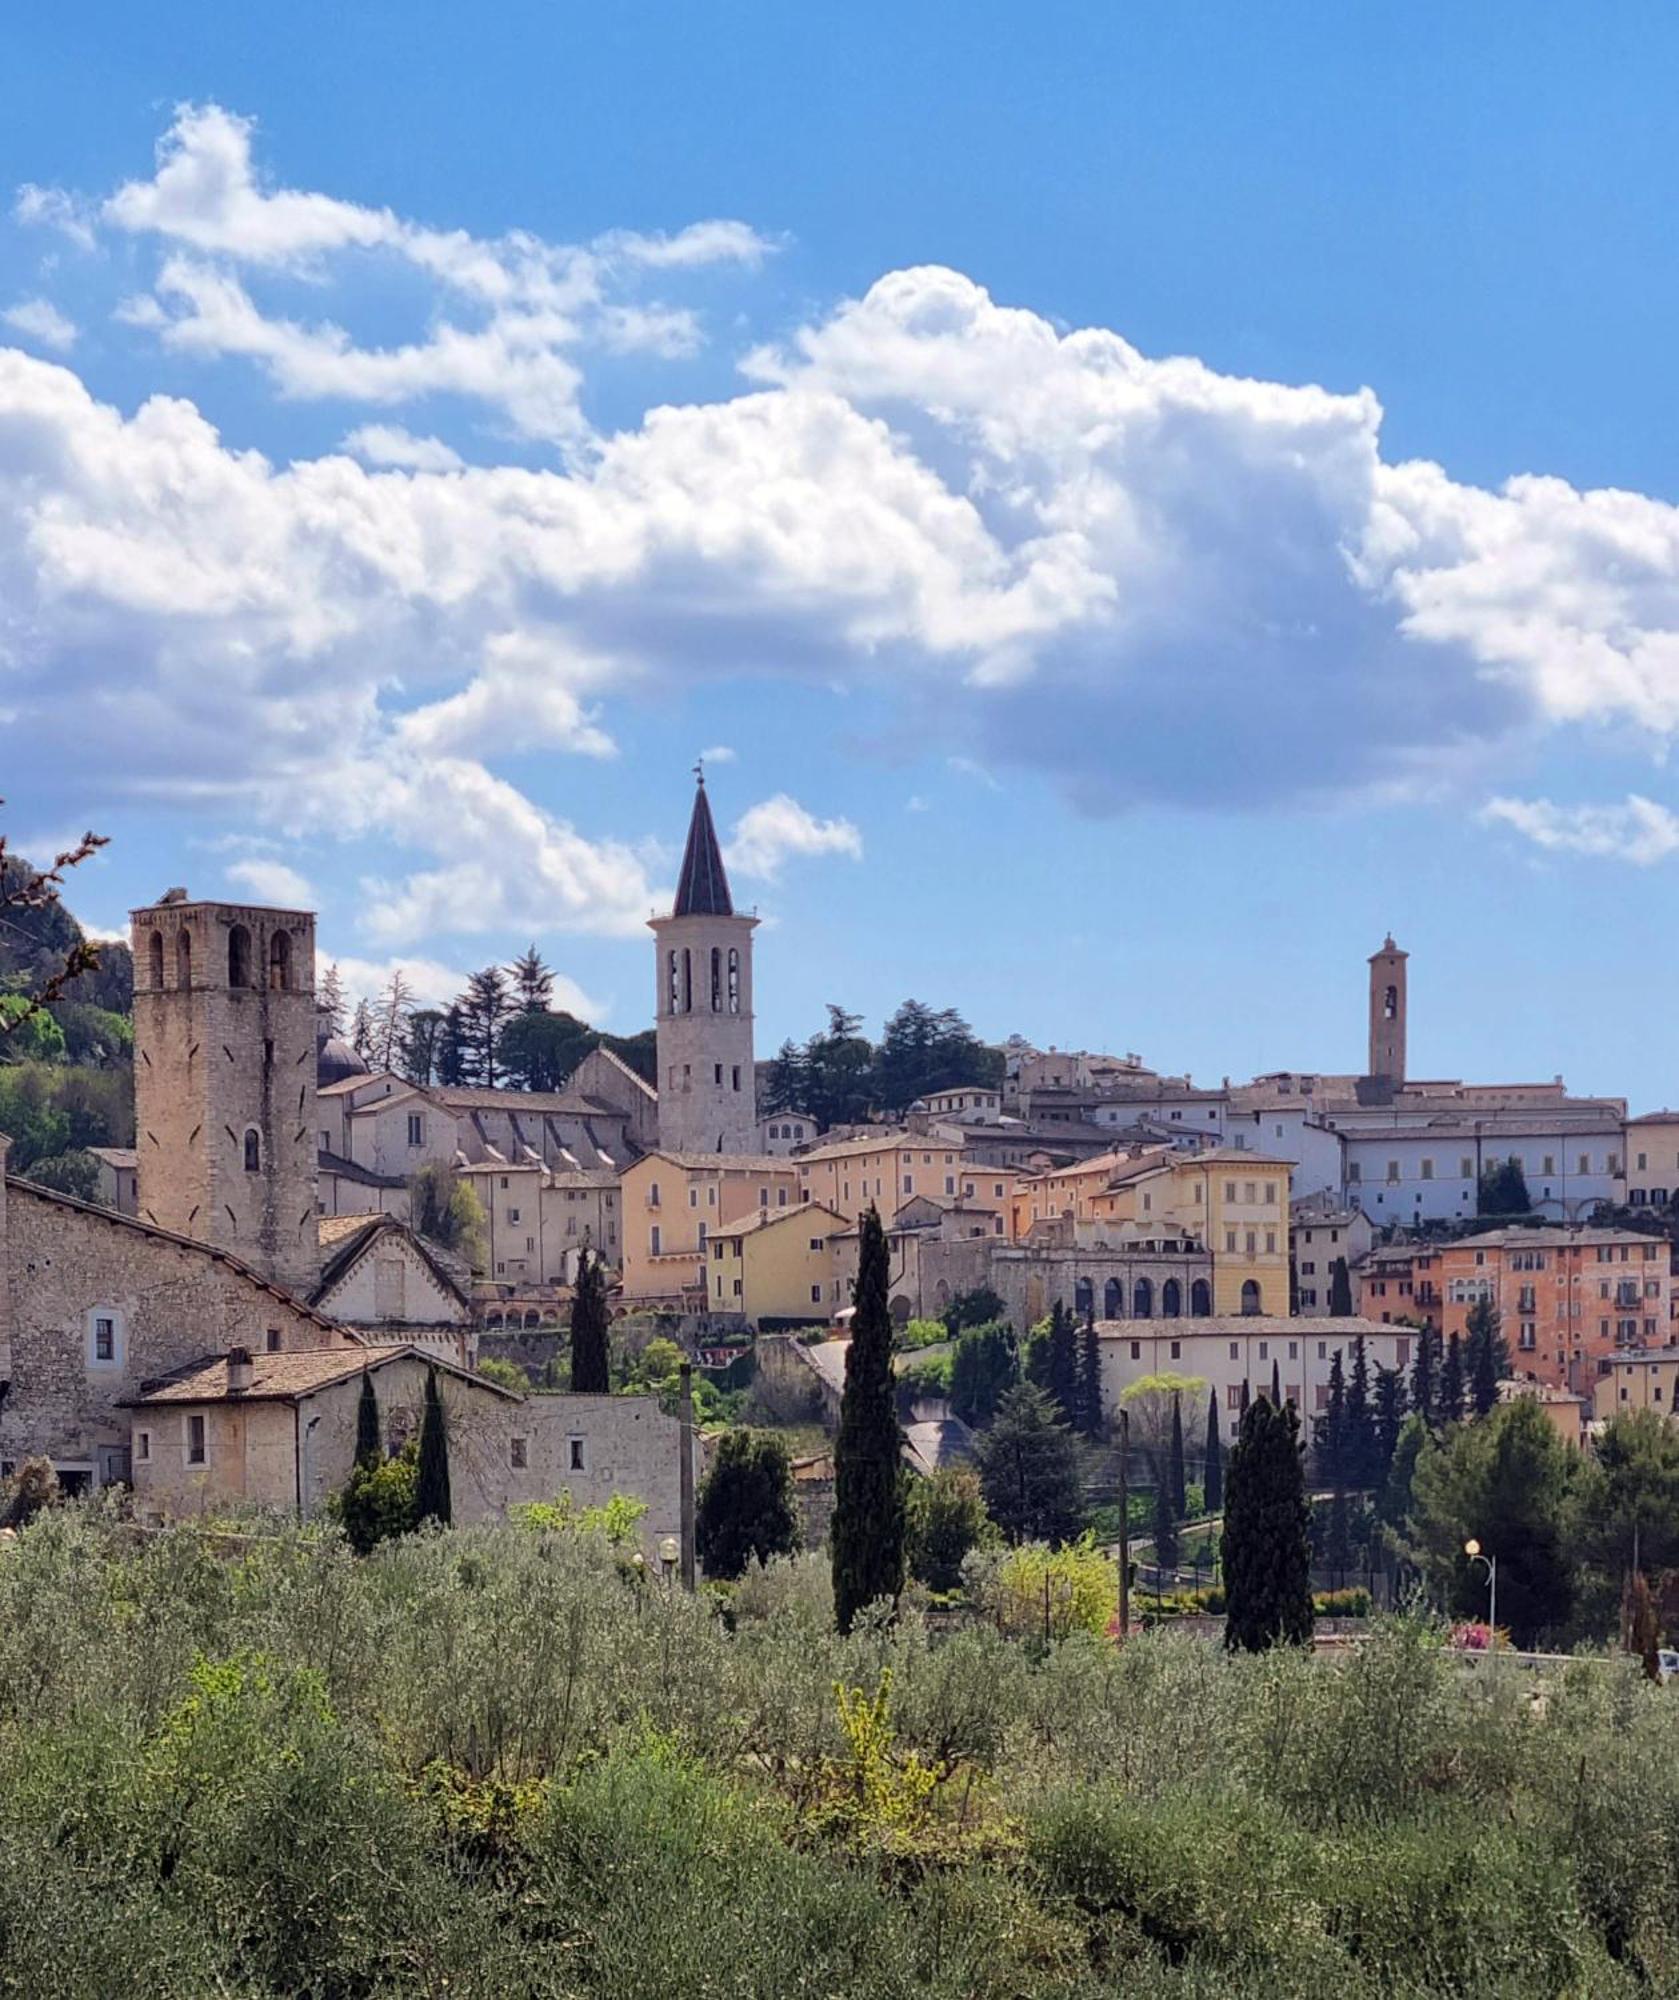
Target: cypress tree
x=1424, y=1388
x=1267, y=1535
x=1276, y=1384
x=1486, y=1356
x=1179, y=1484
x=1090, y=1376
x=1450, y=1409
x=1213, y=1475
x=1332, y=1429
x=367, y=1423
x=866, y=1540
x=1165, y=1526
x=431, y=1492
x=1390, y=1414
x=1359, y=1453
x=1247, y=1397
x=1340, y=1290
x=590, y=1367
x=1064, y=1364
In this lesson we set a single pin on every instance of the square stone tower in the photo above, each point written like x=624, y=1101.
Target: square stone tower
x=707, y=1096
x=224, y=1080
x=1387, y=1012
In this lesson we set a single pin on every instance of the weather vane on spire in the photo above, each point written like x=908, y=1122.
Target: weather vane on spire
x=699, y=770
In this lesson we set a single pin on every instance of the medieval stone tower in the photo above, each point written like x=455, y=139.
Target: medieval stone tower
x=1387, y=1012
x=224, y=1080
x=707, y=1102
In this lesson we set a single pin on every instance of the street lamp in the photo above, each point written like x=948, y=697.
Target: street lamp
x=1472, y=1549
x=670, y=1554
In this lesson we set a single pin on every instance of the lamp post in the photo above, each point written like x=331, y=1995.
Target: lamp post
x=670, y=1554
x=1472, y=1549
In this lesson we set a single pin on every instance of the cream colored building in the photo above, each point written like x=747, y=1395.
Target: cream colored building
x=1226, y=1353
x=1322, y=1233
x=394, y=1288
x=782, y=1264
x=1650, y=1157
x=891, y=1168
x=1647, y=1381
x=538, y=1219
x=1233, y=1201
x=672, y=1204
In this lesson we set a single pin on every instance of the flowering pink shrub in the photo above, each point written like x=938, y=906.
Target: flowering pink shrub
x=1472, y=1637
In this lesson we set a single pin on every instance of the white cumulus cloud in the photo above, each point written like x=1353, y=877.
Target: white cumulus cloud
x=777, y=829
x=1637, y=830
x=390, y=444
x=41, y=321
x=273, y=882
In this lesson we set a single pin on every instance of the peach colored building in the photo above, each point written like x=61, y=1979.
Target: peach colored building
x=1072, y=1190
x=1641, y=1382
x=887, y=1171
x=1234, y=1202
x=673, y=1203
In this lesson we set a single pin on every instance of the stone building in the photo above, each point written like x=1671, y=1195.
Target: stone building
x=703, y=1013
x=394, y=1288
x=224, y=1080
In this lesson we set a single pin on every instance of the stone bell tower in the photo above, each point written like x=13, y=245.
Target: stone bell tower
x=224, y=1080
x=1387, y=1012
x=707, y=1099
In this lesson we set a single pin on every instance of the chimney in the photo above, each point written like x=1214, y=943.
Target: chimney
x=238, y=1370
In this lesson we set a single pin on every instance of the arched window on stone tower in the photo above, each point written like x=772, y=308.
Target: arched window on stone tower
x=238, y=956
x=183, y=959
x=155, y=958
x=253, y=1150
x=279, y=962
x=1390, y=1004
x=687, y=980
x=716, y=980
x=734, y=981
x=670, y=981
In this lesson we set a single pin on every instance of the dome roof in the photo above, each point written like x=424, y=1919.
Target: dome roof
x=335, y=1060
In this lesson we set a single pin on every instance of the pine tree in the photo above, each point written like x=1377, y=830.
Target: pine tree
x=1064, y=1363
x=1340, y=1290
x=362, y=1031
x=367, y=1422
x=1029, y=1470
x=422, y=1039
x=867, y=1535
x=1267, y=1545
x=1424, y=1387
x=1165, y=1528
x=1450, y=1410
x=1090, y=1377
x=483, y=1008
x=1390, y=1414
x=431, y=1495
x=533, y=982
x=329, y=1000
x=1359, y=1454
x=591, y=1372
x=1487, y=1359
x=1212, y=1477
x=453, y=1057
x=390, y=1021
x=1179, y=1483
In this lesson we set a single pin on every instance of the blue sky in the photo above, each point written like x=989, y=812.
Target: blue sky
x=1062, y=454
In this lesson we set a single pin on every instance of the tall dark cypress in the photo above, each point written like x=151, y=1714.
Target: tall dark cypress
x=1212, y=1477
x=1340, y=1290
x=1090, y=1376
x=1247, y=1395
x=367, y=1423
x=866, y=1539
x=1485, y=1356
x=1332, y=1429
x=431, y=1485
x=1276, y=1383
x=1424, y=1387
x=1064, y=1364
x=591, y=1372
x=1267, y=1535
x=1179, y=1483
x=1359, y=1451
x=1450, y=1409
x=1390, y=1414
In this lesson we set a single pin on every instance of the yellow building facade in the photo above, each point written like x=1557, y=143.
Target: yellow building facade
x=1235, y=1201
x=781, y=1265
x=674, y=1203
x=851, y=1174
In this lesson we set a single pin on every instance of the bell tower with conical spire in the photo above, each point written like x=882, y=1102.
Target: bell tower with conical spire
x=707, y=1099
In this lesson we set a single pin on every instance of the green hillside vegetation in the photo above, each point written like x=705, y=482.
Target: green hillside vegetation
x=509, y=1761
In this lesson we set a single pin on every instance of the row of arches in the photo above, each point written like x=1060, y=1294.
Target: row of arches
x=1145, y=1299
x=514, y=1319
x=724, y=979
x=241, y=966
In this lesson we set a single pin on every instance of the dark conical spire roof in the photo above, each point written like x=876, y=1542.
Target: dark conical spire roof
x=702, y=889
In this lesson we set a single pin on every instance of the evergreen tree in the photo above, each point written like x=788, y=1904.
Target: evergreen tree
x=533, y=982
x=1390, y=1414
x=984, y=1367
x=1276, y=1384
x=1165, y=1527
x=1267, y=1547
x=1393, y=1505
x=483, y=1008
x=1332, y=1429
x=453, y=1055
x=1247, y=1397
x=1503, y=1189
x=368, y=1448
x=1340, y=1290
x=1212, y=1476
x=839, y=1071
x=1359, y=1449
x=923, y=1050
x=947, y=1518
x=867, y=1538
x=422, y=1040
x=784, y=1084
x=540, y=1049
x=1425, y=1388
x=1179, y=1482
x=1029, y=1470
x=1337, y=1546
x=1487, y=1358
x=1090, y=1377
x=1064, y=1363
x=591, y=1372
x=748, y=1510
x=431, y=1493
x=362, y=1031
x=390, y=1021
x=1450, y=1408
x=329, y=1000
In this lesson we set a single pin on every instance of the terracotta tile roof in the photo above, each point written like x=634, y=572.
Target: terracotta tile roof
x=286, y=1378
